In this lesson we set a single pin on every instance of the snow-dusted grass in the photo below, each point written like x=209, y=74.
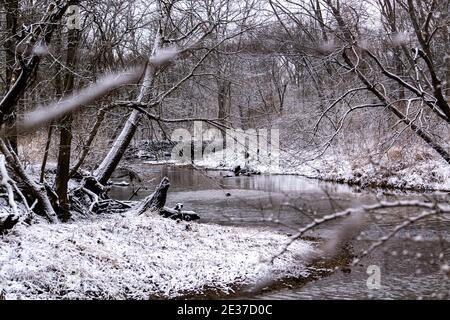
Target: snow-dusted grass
x=129, y=257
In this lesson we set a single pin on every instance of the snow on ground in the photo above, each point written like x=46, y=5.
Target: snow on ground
x=136, y=257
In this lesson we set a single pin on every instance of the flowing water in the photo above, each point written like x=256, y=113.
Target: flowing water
x=409, y=264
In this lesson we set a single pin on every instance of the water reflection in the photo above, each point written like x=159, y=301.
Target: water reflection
x=409, y=269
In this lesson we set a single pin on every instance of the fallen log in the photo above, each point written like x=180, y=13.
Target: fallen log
x=156, y=201
x=238, y=171
x=178, y=214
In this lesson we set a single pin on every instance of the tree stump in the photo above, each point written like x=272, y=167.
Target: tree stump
x=156, y=201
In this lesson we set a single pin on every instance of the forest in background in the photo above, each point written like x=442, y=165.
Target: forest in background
x=90, y=88
x=358, y=89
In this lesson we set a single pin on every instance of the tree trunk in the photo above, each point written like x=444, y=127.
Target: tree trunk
x=65, y=141
x=120, y=145
x=12, y=12
x=46, y=151
x=156, y=203
x=63, y=167
x=100, y=117
x=115, y=154
x=224, y=103
x=446, y=37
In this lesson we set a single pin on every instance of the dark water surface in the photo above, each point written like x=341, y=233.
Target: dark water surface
x=409, y=265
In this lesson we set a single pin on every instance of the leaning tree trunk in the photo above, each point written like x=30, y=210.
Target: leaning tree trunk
x=87, y=145
x=115, y=154
x=46, y=152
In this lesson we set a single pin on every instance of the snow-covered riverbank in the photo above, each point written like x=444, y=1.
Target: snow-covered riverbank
x=418, y=171
x=129, y=257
